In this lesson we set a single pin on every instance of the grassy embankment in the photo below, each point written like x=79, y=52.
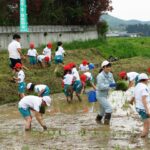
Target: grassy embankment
x=134, y=54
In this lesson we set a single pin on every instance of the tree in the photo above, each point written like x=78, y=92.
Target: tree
x=34, y=8
x=9, y=12
x=94, y=9
x=102, y=28
x=142, y=29
x=56, y=12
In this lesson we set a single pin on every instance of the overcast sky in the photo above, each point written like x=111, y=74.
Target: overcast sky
x=131, y=9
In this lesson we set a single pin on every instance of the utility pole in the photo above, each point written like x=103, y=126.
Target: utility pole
x=23, y=16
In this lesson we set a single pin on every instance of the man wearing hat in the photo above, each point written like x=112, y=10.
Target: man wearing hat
x=34, y=103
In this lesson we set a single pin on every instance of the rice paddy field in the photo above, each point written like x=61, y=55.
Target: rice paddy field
x=72, y=126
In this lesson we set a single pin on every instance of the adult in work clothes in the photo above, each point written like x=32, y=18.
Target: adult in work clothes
x=105, y=82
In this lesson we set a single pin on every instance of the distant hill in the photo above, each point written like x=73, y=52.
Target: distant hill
x=120, y=24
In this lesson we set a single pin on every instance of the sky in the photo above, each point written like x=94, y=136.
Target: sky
x=131, y=9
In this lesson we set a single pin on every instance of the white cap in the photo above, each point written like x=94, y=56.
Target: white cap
x=143, y=76
x=105, y=63
x=47, y=100
x=29, y=85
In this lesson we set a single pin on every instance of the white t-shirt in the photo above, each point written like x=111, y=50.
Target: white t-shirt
x=132, y=75
x=32, y=52
x=88, y=75
x=83, y=68
x=38, y=88
x=75, y=74
x=60, y=51
x=30, y=101
x=68, y=78
x=40, y=57
x=141, y=90
x=13, y=49
x=47, y=52
x=21, y=76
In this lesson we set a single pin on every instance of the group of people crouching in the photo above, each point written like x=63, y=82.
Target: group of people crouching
x=73, y=82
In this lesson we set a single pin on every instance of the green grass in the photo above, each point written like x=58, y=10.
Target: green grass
x=117, y=47
x=135, y=52
x=126, y=47
x=82, y=45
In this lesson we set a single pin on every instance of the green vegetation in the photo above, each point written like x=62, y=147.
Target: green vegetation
x=54, y=12
x=117, y=47
x=122, y=85
x=126, y=47
x=94, y=51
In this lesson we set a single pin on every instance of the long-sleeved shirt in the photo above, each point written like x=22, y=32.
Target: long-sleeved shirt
x=103, y=82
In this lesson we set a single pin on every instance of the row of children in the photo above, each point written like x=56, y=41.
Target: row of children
x=46, y=56
x=16, y=55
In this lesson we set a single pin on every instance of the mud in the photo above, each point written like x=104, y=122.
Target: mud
x=73, y=127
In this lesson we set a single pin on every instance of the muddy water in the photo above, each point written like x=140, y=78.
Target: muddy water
x=73, y=127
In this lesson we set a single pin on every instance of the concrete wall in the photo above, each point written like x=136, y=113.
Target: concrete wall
x=43, y=34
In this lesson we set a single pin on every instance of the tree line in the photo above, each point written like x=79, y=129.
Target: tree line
x=55, y=12
x=142, y=29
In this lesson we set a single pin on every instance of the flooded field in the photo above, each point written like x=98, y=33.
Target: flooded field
x=73, y=127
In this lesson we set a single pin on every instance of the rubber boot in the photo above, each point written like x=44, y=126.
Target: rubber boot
x=107, y=118
x=98, y=119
